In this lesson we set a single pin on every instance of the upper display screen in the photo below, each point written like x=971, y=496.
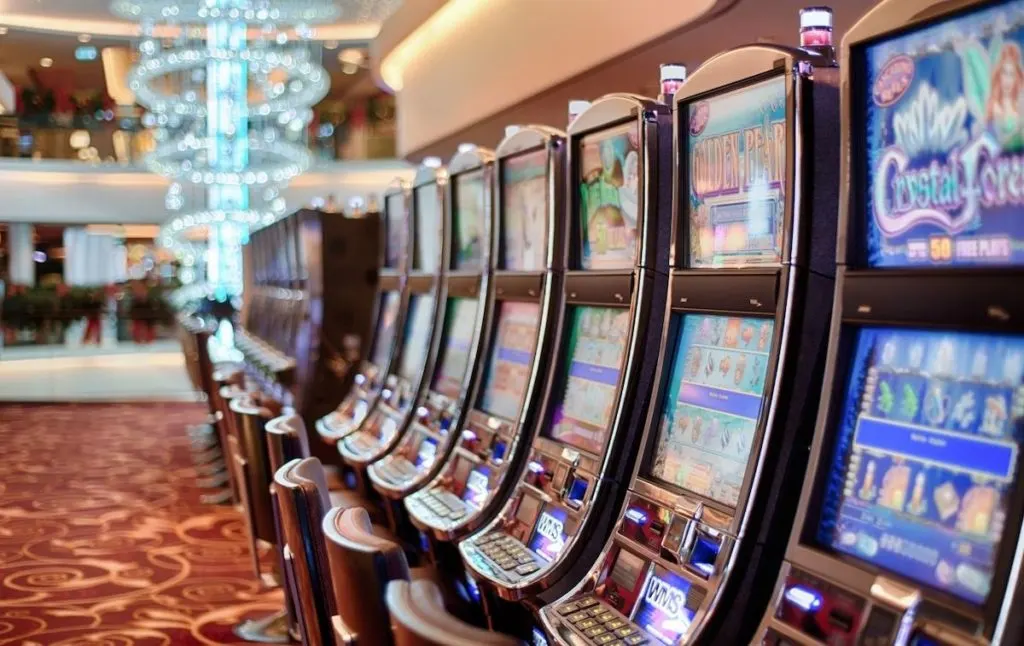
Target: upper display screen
x=384, y=339
x=609, y=186
x=416, y=343
x=428, y=228
x=939, y=155
x=459, y=323
x=736, y=165
x=508, y=367
x=524, y=190
x=596, y=350
x=926, y=455
x=471, y=211
x=712, y=403
x=398, y=230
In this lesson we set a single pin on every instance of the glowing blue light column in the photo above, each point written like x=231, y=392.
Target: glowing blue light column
x=227, y=130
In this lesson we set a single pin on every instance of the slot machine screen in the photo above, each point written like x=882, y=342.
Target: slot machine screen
x=549, y=535
x=477, y=484
x=926, y=455
x=939, y=137
x=384, y=339
x=418, y=324
x=524, y=194
x=666, y=607
x=596, y=350
x=609, y=194
x=426, y=452
x=712, y=402
x=737, y=174
x=459, y=323
x=469, y=236
x=508, y=367
x=398, y=230
x=428, y=227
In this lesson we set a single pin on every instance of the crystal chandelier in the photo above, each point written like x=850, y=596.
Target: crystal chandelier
x=229, y=87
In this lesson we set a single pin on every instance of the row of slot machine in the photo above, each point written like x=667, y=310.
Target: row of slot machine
x=300, y=332
x=743, y=364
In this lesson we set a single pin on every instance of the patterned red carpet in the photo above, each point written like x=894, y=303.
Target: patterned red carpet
x=103, y=540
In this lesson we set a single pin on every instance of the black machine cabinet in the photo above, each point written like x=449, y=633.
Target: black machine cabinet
x=388, y=316
x=586, y=435
x=309, y=308
x=697, y=539
x=908, y=529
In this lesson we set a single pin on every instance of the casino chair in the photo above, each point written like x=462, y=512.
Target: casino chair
x=344, y=538
x=419, y=618
x=250, y=457
x=301, y=493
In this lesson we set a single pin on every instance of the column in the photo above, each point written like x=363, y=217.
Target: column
x=21, y=268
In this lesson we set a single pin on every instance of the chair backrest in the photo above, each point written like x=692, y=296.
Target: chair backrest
x=250, y=422
x=362, y=564
x=287, y=440
x=239, y=466
x=419, y=618
x=302, y=497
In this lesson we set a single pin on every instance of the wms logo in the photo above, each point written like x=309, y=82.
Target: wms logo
x=665, y=597
x=550, y=527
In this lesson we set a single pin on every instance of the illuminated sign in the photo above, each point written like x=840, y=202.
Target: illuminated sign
x=86, y=53
x=666, y=598
x=550, y=527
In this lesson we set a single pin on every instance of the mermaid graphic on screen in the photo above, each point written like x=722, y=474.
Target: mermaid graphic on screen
x=993, y=81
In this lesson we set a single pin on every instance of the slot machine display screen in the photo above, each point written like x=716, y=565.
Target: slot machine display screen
x=609, y=194
x=926, y=455
x=477, y=484
x=596, y=350
x=712, y=402
x=524, y=189
x=459, y=323
x=470, y=215
x=508, y=367
x=385, y=336
x=938, y=142
x=549, y=535
x=737, y=174
x=418, y=324
x=665, y=609
x=428, y=227
x=426, y=452
x=398, y=230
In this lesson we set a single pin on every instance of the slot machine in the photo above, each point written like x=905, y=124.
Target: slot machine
x=909, y=524
x=412, y=362
x=743, y=347
x=601, y=373
x=330, y=317
x=388, y=315
x=433, y=430
x=527, y=263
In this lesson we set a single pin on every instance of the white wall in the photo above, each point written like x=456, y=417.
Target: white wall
x=74, y=192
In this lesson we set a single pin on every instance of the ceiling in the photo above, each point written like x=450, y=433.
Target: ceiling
x=21, y=50
x=360, y=19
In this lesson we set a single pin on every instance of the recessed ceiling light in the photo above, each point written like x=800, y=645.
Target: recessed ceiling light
x=331, y=44
x=46, y=62
x=84, y=38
